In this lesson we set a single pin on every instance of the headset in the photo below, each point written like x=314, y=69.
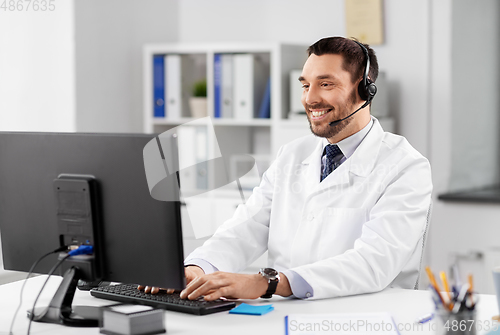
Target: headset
x=366, y=88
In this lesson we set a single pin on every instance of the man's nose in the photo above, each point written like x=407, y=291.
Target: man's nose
x=311, y=96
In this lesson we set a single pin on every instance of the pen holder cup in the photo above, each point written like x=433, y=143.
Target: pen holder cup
x=461, y=323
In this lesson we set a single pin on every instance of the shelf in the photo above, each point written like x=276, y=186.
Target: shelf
x=276, y=62
x=235, y=122
x=215, y=122
x=485, y=195
x=230, y=47
x=294, y=122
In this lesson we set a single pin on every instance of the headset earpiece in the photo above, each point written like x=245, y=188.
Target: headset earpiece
x=367, y=92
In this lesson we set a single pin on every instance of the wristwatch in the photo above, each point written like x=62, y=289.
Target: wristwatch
x=273, y=278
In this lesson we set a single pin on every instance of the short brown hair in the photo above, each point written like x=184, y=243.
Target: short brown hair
x=353, y=55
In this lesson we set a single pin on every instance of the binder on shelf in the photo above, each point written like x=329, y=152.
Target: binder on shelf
x=217, y=85
x=201, y=150
x=243, y=87
x=193, y=158
x=158, y=86
x=265, y=105
x=227, y=86
x=173, y=86
x=249, y=84
x=187, y=157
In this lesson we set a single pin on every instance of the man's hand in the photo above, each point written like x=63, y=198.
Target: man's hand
x=232, y=285
x=191, y=272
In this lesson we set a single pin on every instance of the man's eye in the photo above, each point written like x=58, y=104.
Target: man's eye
x=305, y=87
x=326, y=84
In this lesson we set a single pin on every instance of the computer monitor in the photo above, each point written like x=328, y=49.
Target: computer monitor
x=137, y=238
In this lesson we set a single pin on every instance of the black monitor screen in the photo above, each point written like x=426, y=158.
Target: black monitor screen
x=141, y=238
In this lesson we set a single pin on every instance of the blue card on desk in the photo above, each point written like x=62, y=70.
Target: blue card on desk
x=251, y=310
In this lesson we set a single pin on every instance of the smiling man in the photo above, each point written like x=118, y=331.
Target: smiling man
x=341, y=211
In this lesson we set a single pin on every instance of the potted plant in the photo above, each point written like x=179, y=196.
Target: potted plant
x=198, y=101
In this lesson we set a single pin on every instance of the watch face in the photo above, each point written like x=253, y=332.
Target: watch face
x=270, y=273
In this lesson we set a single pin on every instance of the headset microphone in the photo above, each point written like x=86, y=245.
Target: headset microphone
x=366, y=87
x=357, y=110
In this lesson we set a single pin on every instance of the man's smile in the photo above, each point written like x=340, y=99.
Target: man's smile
x=318, y=114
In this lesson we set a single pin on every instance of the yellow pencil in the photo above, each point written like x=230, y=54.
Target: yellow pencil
x=442, y=274
x=471, y=288
x=431, y=276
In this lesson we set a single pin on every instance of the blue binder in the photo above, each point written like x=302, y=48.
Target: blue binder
x=217, y=85
x=158, y=86
x=265, y=105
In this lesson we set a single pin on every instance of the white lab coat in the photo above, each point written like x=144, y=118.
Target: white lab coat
x=360, y=230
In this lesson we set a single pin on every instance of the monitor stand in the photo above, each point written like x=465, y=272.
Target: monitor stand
x=60, y=310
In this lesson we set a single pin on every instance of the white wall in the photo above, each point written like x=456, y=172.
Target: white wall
x=109, y=39
x=260, y=20
x=403, y=56
x=37, y=76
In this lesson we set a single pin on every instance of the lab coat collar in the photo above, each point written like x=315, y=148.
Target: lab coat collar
x=361, y=163
x=349, y=145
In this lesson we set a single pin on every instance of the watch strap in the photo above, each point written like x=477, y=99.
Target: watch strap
x=271, y=289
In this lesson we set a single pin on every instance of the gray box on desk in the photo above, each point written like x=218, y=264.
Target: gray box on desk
x=143, y=321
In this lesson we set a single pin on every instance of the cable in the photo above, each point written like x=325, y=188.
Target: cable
x=26, y=280
x=81, y=250
x=54, y=268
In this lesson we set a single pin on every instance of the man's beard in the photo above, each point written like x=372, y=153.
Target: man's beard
x=337, y=127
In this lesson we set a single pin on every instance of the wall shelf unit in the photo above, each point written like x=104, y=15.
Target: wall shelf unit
x=278, y=59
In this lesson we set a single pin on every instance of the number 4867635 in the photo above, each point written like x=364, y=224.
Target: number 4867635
x=28, y=5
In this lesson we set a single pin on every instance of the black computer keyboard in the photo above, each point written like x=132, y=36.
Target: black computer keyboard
x=128, y=293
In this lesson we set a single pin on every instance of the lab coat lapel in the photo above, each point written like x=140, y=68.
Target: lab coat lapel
x=362, y=162
x=312, y=172
x=338, y=177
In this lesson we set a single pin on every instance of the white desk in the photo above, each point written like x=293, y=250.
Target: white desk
x=404, y=305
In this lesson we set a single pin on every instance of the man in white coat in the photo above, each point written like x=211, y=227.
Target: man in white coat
x=342, y=211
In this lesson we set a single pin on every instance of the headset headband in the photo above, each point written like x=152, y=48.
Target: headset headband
x=367, y=68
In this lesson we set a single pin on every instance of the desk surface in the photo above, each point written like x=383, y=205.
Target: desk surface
x=404, y=305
